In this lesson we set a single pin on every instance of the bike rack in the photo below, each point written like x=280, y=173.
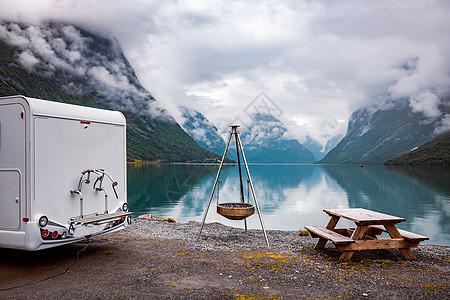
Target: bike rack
x=96, y=218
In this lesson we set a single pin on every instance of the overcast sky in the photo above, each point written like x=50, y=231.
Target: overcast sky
x=316, y=61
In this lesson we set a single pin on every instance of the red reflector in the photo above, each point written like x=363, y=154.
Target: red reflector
x=88, y=236
x=54, y=234
x=45, y=233
x=26, y=219
x=21, y=114
x=85, y=122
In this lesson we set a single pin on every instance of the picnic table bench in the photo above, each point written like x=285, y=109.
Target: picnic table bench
x=369, y=224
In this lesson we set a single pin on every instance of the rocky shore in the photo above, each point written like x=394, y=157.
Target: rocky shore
x=158, y=259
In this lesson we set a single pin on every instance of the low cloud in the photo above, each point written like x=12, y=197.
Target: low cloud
x=64, y=48
x=319, y=60
x=425, y=82
x=426, y=103
x=27, y=60
x=444, y=125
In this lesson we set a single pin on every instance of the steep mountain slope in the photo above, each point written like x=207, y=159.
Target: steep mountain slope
x=375, y=135
x=435, y=152
x=202, y=131
x=265, y=142
x=332, y=142
x=314, y=146
x=64, y=63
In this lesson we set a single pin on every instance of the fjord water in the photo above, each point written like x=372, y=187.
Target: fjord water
x=292, y=196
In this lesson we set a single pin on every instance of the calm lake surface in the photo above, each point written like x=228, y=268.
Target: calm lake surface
x=292, y=196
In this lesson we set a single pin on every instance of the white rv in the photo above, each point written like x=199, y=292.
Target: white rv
x=62, y=173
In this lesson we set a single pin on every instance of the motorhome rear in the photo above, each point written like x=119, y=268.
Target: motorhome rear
x=62, y=173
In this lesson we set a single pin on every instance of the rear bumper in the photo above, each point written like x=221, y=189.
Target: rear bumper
x=55, y=234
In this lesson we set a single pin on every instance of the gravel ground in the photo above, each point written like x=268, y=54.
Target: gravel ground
x=157, y=259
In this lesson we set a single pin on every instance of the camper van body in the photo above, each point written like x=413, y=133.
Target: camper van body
x=62, y=173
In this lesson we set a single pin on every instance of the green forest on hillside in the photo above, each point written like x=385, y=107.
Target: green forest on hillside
x=433, y=153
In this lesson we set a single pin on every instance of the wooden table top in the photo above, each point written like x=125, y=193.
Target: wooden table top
x=364, y=216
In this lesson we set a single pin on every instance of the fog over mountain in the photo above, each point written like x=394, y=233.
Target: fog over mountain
x=51, y=48
x=319, y=61
x=376, y=134
x=64, y=63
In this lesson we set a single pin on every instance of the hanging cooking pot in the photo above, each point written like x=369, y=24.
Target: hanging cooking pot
x=235, y=211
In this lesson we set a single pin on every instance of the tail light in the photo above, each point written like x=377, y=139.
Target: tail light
x=45, y=233
x=54, y=234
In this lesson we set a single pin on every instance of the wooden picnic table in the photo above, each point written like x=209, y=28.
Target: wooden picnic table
x=369, y=224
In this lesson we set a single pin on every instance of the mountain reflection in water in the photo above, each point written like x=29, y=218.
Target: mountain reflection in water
x=292, y=196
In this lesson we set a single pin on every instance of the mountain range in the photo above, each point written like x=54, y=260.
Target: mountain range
x=378, y=133
x=64, y=63
x=264, y=139
x=375, y=134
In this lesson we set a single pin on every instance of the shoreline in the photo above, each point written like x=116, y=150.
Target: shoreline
x=235, y=238
x=239, y=230
x=163, y=260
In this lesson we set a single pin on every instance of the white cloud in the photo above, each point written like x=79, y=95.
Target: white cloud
x=319, y=60
x=199, y=134
x=27, y=60
x=103, y=76
x=444, y=126
x=426, y=103
x=67, y=49
x=13, y=36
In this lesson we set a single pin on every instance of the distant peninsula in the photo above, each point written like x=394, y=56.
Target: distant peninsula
x=433, y=153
